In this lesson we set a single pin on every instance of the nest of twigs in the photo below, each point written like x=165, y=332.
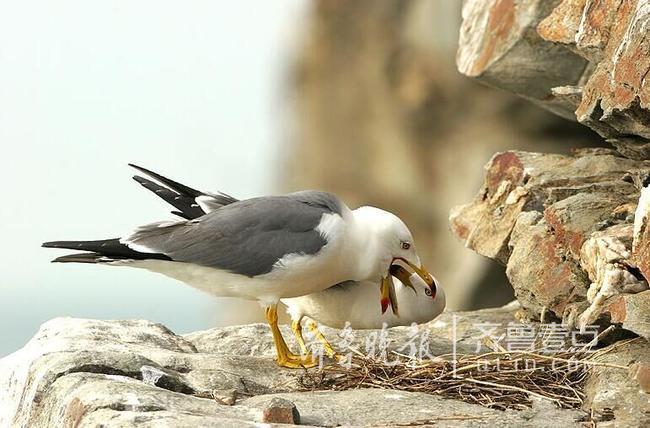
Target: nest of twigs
x=499, y=379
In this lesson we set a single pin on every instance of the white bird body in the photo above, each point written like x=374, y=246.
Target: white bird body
x=348, y=255
x=292, y=275
x=356, y=303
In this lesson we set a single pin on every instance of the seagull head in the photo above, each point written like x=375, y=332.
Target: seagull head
x=389, y=241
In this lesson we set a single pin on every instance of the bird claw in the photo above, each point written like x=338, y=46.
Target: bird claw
x=339, y=357
x=297, y=361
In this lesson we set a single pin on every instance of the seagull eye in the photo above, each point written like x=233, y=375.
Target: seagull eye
x=406, y=245
x=427, y=291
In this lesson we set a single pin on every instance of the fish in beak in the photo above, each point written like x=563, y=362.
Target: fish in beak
x=388, y=295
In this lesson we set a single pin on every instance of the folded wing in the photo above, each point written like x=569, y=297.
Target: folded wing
x=247, y=237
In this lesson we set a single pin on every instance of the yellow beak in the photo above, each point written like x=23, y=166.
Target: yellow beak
x=422, y=273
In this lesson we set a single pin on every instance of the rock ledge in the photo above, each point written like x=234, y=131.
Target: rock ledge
x=78, y=372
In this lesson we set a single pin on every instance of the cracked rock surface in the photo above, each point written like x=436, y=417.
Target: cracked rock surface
x=572, y=231
x=569, y=230
x=82, y=373
x=585, y=60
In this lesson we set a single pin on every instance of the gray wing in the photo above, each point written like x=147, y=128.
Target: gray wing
x=246, y=237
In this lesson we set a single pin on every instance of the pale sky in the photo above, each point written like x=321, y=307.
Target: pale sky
x=191, y=89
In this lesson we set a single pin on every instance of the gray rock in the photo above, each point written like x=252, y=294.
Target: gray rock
x=618, y=396
x=227, y=397
x=378, y=407
x=78, y=372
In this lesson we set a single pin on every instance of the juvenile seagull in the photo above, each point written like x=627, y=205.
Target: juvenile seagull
x=263, y=249
x=348, y=302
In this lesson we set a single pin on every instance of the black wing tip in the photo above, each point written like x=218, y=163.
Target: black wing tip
x=144, y=170
x=100, y=251
x=182, y=215
x=173, y=185
x=71, y=245
x=138, y=168
x=143, y=181
x=79, y=258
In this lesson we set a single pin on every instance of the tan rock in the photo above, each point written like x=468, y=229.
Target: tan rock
x=280, y=411
x=541, y=271
x=499, y=45
x=631, y=311
x=612, y=34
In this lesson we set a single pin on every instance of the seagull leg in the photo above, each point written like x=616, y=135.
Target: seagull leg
x=311, y=325
x=297, y=331
x=285, y=357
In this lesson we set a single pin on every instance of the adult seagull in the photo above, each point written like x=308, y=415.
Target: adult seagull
x=334, y=306
x=263, y=249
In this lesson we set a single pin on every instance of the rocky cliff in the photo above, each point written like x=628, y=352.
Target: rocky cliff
x=572, y=231
x=586, y=60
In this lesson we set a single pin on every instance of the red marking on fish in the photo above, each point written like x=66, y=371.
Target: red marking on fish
x=384, y=304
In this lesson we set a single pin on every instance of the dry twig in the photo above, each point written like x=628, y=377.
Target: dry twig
x=498, y=379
